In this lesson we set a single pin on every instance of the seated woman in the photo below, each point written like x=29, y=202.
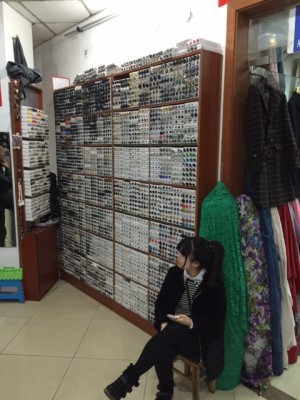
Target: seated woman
x=193, y=291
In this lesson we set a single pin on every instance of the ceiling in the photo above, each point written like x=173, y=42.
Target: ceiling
x=52, y=17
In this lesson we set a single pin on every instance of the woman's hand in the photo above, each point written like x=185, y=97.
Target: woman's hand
x=184, y=320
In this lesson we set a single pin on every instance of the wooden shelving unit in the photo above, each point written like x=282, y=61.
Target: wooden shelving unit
x=137, y=151
x=38, y=248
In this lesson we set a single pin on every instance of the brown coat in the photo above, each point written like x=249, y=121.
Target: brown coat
x=270, y=145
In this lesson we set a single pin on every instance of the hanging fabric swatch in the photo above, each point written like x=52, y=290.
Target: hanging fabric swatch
x=287, y=317
x=296, y=208
x=274, y=288
x=219, y=221
x=257, y=366
x=296, y=225
x=293, y=265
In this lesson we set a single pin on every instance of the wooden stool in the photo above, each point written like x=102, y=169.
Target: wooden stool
x=193, y=373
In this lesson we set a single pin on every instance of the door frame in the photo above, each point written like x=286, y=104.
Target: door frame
x=236, y=82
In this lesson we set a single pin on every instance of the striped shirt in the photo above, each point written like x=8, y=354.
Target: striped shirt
x=191, y=285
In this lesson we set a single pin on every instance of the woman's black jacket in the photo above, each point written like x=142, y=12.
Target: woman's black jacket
x=208, y=313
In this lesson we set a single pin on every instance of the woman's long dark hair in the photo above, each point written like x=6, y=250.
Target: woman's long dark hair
x=209, y=254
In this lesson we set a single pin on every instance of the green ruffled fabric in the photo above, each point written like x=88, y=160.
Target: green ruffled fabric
x=219, y=221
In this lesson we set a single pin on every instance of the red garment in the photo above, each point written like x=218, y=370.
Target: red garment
x=293, y=354
x=296, y=208
x=293, y=264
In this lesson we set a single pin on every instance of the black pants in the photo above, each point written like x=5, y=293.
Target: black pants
x=2, y=227
x=161, y=350
x=7, y=200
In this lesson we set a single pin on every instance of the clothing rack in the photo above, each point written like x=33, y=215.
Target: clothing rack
x=263, y=72
x=267, y=56
x=291, y=82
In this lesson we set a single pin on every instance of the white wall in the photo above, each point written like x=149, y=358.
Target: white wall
x=11, y=24
x=139, y=29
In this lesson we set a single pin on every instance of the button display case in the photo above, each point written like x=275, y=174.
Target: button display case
x=137, y=151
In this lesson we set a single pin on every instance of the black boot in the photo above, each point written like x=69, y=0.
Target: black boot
x=163, y=396
x=165, y=391
x=123, y=385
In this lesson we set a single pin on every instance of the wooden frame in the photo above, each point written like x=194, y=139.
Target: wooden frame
x=207, y=167
x=239, y=13
x=15, y=112
x=16, y=127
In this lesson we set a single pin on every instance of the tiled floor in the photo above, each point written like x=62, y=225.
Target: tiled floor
x=69, y=347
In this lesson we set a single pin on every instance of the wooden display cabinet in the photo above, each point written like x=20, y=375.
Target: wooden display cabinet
x=122, y=266
x=39, y=256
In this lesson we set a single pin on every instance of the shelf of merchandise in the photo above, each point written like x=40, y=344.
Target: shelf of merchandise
x=137, y=151
x=36, y=162
x=38, y=250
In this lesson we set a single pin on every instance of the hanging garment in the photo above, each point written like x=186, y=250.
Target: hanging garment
x=296, y=207
x=18, y=52
x=275, y=67
x=296, y=227
x=271, y=148
x=274, y=288
x=219, y=221
x=20, y=70
x=257, y=365
x=280, y=67
x=26, y=75
x=293, y=265
x=298, y=324
x=287, y=316
x=294, y=109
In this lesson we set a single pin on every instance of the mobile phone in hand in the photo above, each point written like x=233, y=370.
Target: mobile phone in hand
x=172, y=317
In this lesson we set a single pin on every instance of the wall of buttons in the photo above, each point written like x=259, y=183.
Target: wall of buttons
x=132, y=231
x=36, y=160
x=99, y=278
x=99, y=250
x=131, y=197
x=173, y=205
x=131, y=295
x=74, y=263
x=131, y=263
x=127, y=155
x=73, y=239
